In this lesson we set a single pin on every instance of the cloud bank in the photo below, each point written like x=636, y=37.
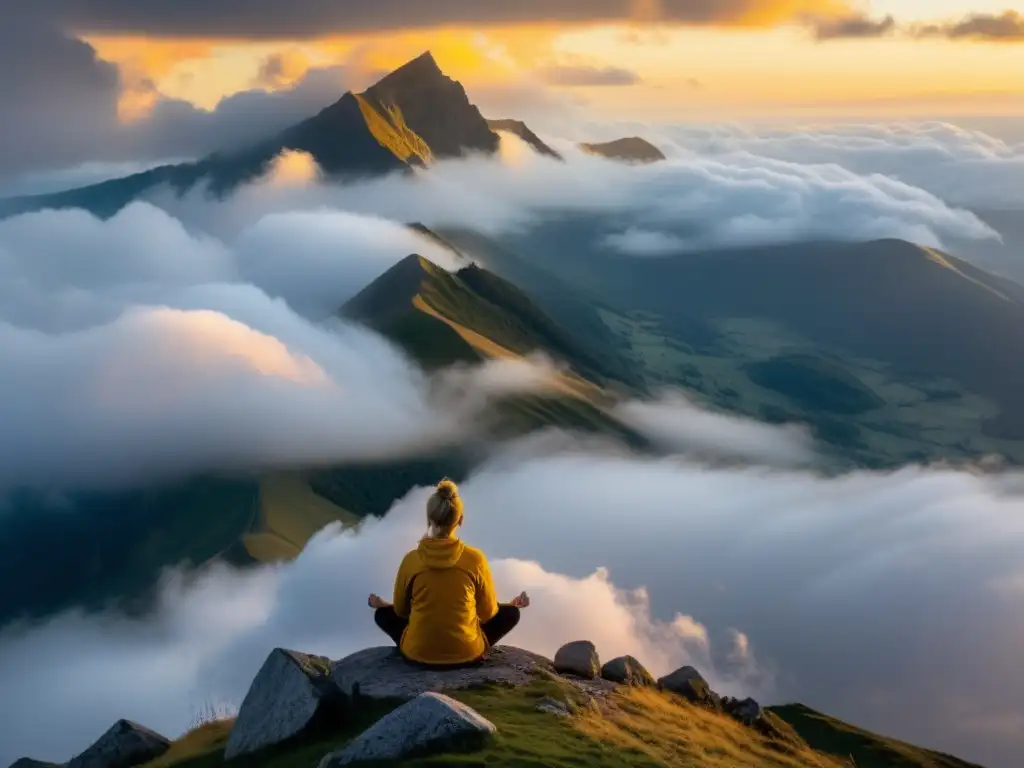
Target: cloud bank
x=963, y=167
x=692, y=201
x=846, y=593
x=138, y=350
x=678, y=425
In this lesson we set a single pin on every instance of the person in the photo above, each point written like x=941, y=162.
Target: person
x=445, y=612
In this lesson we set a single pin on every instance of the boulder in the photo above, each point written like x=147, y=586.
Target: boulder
x=291, y=693
x=432, y=722
x=382, y=673
x=578, y=658
x=627, y=670
x=691, y=685
x=124, y=745
x=746, y=711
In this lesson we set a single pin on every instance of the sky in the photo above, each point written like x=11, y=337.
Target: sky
x=111, y=81
x=761, y=61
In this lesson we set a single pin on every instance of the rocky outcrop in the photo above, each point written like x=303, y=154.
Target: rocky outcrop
x=747, y=711
x=632, y=149
x=124, y=745
x=578, y=658
x=381, y=673
x=430, y=723
x=627, y=671
x=291, y=692
x=522, y=130
x=691, y=685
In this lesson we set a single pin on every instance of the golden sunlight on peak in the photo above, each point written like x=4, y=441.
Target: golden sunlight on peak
x=292, y=168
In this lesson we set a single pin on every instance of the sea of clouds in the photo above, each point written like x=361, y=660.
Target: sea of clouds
x=190, y=334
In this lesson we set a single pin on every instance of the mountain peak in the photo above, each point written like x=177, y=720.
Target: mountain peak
x=423, y=66
x=423, y=99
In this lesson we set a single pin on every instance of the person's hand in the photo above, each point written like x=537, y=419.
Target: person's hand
x=522, y=600
x=375, y=602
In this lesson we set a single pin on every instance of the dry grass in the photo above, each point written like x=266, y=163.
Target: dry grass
x=670, y=731
x=290, y=513
x=568, y=383
x=393, y=133
x=202, y=739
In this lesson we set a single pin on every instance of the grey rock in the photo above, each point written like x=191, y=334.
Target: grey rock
x=578, y=658
x=553, y=707
x=691, y=685
x=432, y=722
x=125, y=744
x=679, y=677
x=288, y=695
x=382, y=673
x=627, y=670
x=746, y=711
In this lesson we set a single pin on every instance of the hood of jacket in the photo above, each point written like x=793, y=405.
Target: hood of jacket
x=440, y=553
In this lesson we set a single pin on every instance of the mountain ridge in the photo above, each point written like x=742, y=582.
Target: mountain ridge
x=409, y=118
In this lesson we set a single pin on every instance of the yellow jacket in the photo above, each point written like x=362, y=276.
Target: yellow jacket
x=445, y=590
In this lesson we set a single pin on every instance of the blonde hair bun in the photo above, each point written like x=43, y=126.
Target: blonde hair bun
x=447, y=490
x=444, y=508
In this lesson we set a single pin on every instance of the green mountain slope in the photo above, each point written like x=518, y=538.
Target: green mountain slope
x=411, y=117
x=775, y=331
x=866, y=749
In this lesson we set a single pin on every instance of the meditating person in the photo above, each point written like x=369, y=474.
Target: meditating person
x=445, y=612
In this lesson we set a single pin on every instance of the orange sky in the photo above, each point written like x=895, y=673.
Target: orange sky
x=683, y=72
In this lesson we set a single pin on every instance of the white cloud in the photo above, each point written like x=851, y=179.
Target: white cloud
x=707, y=200
x=135, y=347
x=644, y=242
x=849, y=591
x=678, y=425
x=66, y=269
x=964, y=167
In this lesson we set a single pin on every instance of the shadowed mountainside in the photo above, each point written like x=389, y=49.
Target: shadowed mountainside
x=775, y=331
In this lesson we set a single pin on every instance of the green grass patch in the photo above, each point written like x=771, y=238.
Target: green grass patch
x=866, y=749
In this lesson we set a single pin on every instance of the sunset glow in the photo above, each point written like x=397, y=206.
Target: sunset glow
x=763, y=63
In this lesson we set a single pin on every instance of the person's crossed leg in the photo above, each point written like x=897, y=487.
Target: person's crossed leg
x=503, y=622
